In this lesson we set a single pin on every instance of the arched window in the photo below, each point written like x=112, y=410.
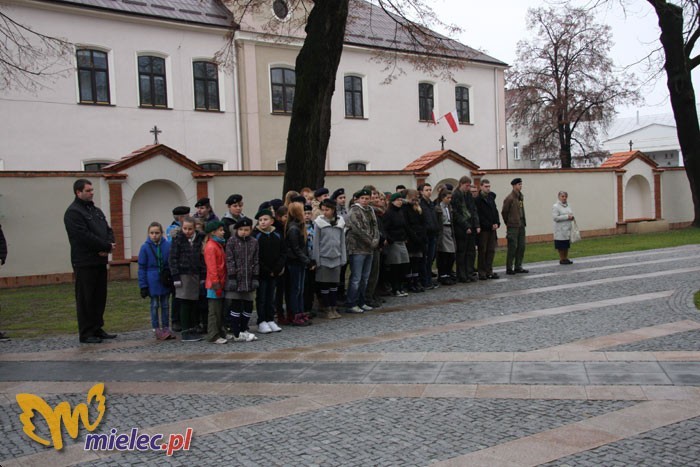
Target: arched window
x=357, y=166
x=206, y=85
x=93, y=76
x=213, y=166
x=152, y=84
x=283, y=82
x=353, y=97
x=425, y=101
x=95, y=166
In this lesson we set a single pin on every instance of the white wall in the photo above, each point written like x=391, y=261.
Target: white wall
x=49, y=130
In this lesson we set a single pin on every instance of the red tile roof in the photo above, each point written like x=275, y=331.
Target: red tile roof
x=430, y=159
x=620, y=159
x=149, y=151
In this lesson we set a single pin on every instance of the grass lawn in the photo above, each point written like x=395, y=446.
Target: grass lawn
x=50, y=310
x=697, y=299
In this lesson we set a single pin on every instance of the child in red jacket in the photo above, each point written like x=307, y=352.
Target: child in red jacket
x=215, y=259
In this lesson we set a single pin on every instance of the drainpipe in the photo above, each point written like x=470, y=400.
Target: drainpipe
x=498, y=126
x=237, y=106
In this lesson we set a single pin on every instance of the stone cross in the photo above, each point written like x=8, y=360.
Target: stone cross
x=442, y=142
x=630, y=143
x=156, y=132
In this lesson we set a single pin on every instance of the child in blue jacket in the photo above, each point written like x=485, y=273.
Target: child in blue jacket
x=153, y=278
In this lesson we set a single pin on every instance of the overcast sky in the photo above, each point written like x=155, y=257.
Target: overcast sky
x=496, y=26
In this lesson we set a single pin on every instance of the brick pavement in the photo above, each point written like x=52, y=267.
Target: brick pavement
x=596, y=363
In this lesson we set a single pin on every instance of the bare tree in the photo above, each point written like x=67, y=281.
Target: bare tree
x=324, y=24
x=30, y=59
x=563, y=90
x=680, y=30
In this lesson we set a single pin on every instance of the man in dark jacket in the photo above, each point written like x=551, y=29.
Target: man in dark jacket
x=489, y=221
x=91, y=241
x=432, y=230
x=466, y=227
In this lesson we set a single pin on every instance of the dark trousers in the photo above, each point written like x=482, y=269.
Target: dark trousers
x=397, y=273
x=428, y=258
x=265, y=299
x=461, y=255
x=471, y=253
x=516, y=247
x=445, y=261
x=487, y=251
x=90, y=298
x=309, y=290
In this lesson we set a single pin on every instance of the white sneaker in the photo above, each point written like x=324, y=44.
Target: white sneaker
x=264, y=328
x=367, y=307
x=242, y=337
x=274, y=326
x=229, y=336
x=249, y=336
x=220, y=340
x=355, y=309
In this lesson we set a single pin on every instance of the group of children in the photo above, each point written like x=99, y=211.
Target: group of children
x=297, y=251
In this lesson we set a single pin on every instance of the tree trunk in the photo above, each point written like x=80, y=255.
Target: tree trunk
x=680, y=87
x=565, y=146
x=316, y=67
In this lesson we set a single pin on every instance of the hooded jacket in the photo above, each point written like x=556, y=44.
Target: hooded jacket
x=149, y=272
x=186, y=257
x=242, y=263
x=272, y=252
x=215, y=259
x=363, y=231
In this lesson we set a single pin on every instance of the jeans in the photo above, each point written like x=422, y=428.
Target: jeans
x=296, y=273
x=360, y=269
x=265, y=299
x=161, y=301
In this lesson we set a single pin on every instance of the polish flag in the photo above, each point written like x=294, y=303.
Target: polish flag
x=432, y=117
x=452, y=120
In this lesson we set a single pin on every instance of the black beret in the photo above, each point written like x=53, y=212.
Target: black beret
x=362, y=192
x=338, y=192
x=202, y=202
x=264, y=205
x=244, y=222
x=307, y=207
x=298, y=199
x=515, y=181
x=276, y=203
x=264, y=212
x=396, y=196
x=234, y=199
x=449, y=186
x=329, y=203
x=181, y=210
x=320, y=192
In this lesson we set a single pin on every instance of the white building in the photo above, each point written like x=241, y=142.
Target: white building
x=147, y=63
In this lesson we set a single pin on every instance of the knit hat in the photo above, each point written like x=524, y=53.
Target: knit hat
x=264, y=212
x=212, y=226
x=244, y=222
x=515, y=181
x=320, y=192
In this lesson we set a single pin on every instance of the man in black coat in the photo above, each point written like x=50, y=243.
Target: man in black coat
x=490, y=222
x=91, y=241
x=432, y=230
x=466, y=226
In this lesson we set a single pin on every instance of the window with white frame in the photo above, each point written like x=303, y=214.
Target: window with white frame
x=516, y=151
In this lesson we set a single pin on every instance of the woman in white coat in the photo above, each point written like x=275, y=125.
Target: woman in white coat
x=563, y=218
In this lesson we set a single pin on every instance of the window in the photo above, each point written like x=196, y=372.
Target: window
x=533, y=156
x=152, y=87
x=357, y=167
x=462, y=101
x=94, y=166
x=283, y=83
x=213, y=166
x=425, y=101
x=280, y=8
x=281, y=166
x=516, y=151
x=206, y=86
x=353, y=97
x=93, y=76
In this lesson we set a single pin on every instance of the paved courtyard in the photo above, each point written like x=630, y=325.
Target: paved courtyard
x=597, y=363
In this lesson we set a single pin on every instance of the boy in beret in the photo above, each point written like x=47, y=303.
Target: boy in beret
x=362, y=239
x=234, y=214
x=173, y=229
x=271, y=257
x=243, y=270
x=204, y=210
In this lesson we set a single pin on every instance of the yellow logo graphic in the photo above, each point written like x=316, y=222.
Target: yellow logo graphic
x=31, y=404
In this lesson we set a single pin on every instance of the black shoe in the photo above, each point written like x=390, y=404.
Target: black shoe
x=176, y=327
x=510, y=272
x=103, y=335
x=521, y=271
x=472, y=279
x=90, y=340
x=463, y=279
x=566, y=261
x=483, y=278
x=494, y=276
